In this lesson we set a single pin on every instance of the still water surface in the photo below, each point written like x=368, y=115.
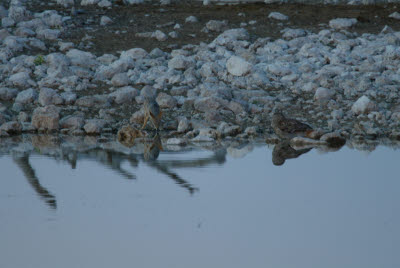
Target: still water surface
x=202, y=209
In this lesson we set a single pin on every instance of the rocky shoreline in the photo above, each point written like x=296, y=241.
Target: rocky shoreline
x=337, y=80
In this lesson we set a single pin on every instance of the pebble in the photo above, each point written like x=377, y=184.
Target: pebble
x=191, y=19
x=104, y=20
x=277, y=16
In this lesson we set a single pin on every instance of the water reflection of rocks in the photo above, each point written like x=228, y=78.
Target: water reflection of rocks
x=104, y=151
x=114, y=155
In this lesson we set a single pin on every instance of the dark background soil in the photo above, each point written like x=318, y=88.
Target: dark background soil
x=129, y=20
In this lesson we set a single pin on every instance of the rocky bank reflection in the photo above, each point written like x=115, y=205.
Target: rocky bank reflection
x=112, y=154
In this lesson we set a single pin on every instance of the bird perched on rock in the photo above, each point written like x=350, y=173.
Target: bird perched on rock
x=152, y=110
x=287, y=128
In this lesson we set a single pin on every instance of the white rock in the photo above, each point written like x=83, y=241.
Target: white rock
x=166, y=101
x=7, y=94
x=104, y=3
x=27, y=96
x=82, y=58
x=3, y=12
x=68, y=97
x=165, y=2
x=120, y=80
x=50, y=18
x=134, y=2
x=134, y=53
x=14, y=43
x=3, y=34
x=216, y=25
x=277, y=16
x=18, y=13
x=48, y=96
x=72, y=122
x=342, y=23
x=94, y=126
x=148, y=92
x=395, y=15
x=183, y=125
x=159, y=35
x=65, y=46
x=21, y=79
x=279, y=69
x=293, y=33
x=89, y=2
x=173, y=34
x=323, y=94
x=231, y=35
x=104, y=20
x=7, y=22
x=363, y=106
x=49, y=34
x=66, y=3
x=179, y=62
x=191, y=19
x=124, y=95
x=238, y=66
x=176, y=141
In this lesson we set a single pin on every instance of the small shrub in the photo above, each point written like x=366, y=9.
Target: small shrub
x=39, y=60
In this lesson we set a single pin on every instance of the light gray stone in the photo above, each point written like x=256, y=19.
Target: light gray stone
x=19, y=13
x=323, y=94
x=125, y=95
x=104, y=20
x=27, y=96
x=7, y=94
x=179, y=62
x=120, y=80
x=7, y=22
x=68, y=97
x=148, y=92
x=166, y=101
x=82, y=58
x=48, y=96
x=216, y=25
x=207, y=104
x=238, y=66
x=66, y=3
x=277, y=16
x=72, y=122
x=104, y=3
x=342, y=23
x=89, y=2
x=363, y=106
x=49, y=34
x=94, y=126
x=159, y=35
x=191, y=19
x=21, y=79
x=395, y=15
x=184, y=125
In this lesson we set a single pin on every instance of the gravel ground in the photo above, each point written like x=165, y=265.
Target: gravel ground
x=217, y=75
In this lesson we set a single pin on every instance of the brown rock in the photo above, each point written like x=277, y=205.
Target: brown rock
x=46, y=118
